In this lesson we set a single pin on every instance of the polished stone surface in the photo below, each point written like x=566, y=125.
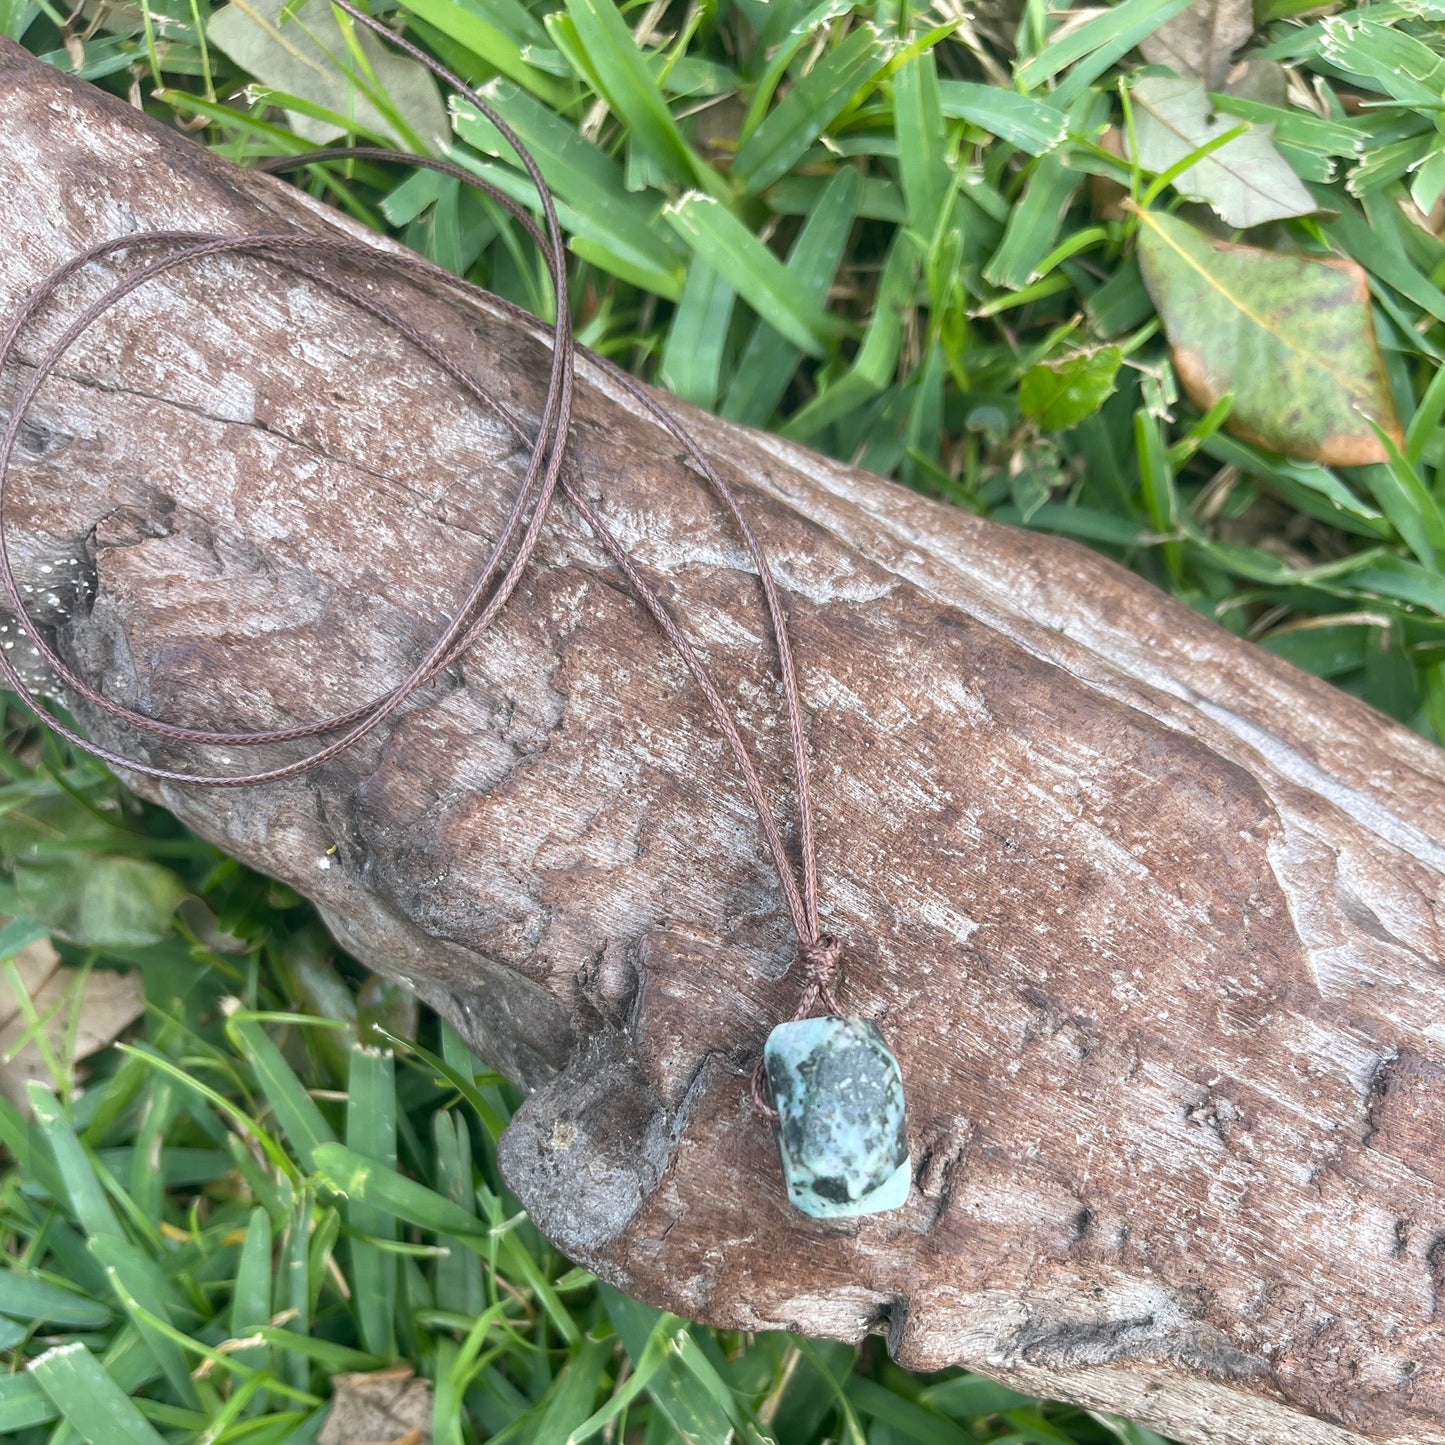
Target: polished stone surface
x=839, y=1096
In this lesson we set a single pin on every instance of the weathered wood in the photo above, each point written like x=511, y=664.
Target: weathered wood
x=1153, y=920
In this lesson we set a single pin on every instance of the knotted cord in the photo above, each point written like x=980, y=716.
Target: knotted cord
x=314, y=257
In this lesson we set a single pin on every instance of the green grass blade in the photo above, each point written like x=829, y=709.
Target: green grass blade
x=357, y=1177
x=371, y=1131
x=568, y=1401
x=1404, y=581
x=1033, y=125
x=632, y=94
x=782, y=48
x=752, y=270
x=23, y=1404
x=809, y=108
x=1426, y=421
x=455, y=1068
x=145, y=1293
x=1091, y=48
x=466, y=22
x=692, y=361
x=623, y=255
x=1407, y=502
x=149, y=1160
x=909, y=1421
x=928, y=183
x=93, y=1405
x=459, y=1274
x=301, y=1121
x=1156, y=479
x=576, y=169
x=251, y=1294
x=876, y=363
x=770, y=360
x=293, y=1293
x=42, y=1302
x=1033, y=224
x=335, y=1359
x=83, y=1189
x=646, y=1364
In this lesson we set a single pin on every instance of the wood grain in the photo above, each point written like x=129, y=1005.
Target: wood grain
x=1153, y=920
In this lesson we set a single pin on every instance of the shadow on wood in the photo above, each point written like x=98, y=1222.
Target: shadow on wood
x=1152, y=920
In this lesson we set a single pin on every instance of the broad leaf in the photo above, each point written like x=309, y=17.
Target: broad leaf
x=1201, y=40
x=306, y=55
x=100, y=900
x=1291, y=338
x=1057, y=394
x=1246, y=180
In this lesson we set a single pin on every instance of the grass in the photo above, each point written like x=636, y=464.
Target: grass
x=284, y=1175
x=882, y=230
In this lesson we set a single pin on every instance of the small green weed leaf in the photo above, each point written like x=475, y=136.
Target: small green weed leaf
x=100, y=900
x=1056, y=394
x=1291, y=338
x=1035, y=474
x=1246, y=179
x=306, y=55
x=1202, y=39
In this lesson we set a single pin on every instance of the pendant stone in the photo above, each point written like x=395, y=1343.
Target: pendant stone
x=839, y=1096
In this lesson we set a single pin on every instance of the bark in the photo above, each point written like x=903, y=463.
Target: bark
x=1152, y=920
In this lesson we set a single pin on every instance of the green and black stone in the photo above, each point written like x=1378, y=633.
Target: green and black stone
x=841, y=1127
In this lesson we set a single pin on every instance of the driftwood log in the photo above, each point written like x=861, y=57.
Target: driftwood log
x=1154, y=920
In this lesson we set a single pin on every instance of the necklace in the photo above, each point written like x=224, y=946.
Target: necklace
x=828, y=1083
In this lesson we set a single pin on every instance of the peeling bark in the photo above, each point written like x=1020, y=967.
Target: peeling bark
x=1153, y=920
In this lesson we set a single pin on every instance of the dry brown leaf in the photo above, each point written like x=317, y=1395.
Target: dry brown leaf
x=382, y=1407
x=1202, y=39
x=108, y=1004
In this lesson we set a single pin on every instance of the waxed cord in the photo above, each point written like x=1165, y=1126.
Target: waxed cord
x=547, y=470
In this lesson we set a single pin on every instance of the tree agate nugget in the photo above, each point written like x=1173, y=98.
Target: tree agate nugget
x=839, y=1097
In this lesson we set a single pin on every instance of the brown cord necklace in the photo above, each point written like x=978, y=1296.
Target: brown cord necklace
x=836, y=1090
